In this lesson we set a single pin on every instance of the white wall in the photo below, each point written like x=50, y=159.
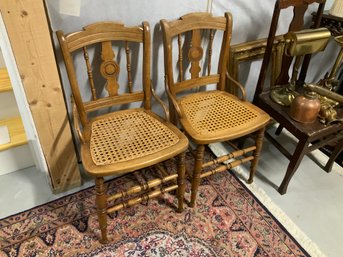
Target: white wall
x=251, y=21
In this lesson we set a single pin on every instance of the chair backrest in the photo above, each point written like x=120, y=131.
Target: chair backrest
x=297, y=23
x=103, y=68
x=194, y=37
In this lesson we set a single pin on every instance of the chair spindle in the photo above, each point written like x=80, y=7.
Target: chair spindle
x=210, y=45
x=128, y=66
x=179, y=41
x=90, y=73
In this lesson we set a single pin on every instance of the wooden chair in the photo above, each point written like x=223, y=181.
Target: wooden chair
x=125, y=139
x=208, y=115
x=310, y=136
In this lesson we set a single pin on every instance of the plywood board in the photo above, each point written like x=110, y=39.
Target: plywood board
x=27, y=28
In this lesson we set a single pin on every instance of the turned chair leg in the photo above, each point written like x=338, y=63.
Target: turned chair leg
x=254, y=162
x=101, y=203
x=196, y=173
x=181, y=181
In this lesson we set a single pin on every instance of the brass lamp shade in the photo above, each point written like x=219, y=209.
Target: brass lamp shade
x=306, y=41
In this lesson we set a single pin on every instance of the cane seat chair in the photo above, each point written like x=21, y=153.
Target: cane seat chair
x=311, y=136
x=206, y=112
x=128, y=137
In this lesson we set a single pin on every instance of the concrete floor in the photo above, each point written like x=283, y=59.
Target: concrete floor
x=27, y=188
x=313, y=201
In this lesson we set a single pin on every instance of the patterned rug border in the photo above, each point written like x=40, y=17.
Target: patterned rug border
x=268, y=211
x=296, y=233
x=276, y=212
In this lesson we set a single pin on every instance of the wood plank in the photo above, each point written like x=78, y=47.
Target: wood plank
x=28, y=31
x=16, y=131
x=5, y=82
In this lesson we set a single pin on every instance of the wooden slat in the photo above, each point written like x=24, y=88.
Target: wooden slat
x=74, y=42
x=16, y=131
x=113, y=100
x=5, y=82
x=191, y=83
x=287, y=3
x=28, y=31
x=196, y=21
x=197, y=50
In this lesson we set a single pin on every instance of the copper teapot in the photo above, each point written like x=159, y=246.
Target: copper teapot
x=305, y=108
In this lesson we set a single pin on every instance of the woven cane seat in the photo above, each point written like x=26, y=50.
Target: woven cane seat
x=216, y=112
x=127, y=136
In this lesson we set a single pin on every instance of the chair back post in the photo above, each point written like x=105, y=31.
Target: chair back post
x=225, y=52
x=300, y=7
x=167, y=46
x=72, y=78
x=268, y=52
x=307, y=58
x=146, y=65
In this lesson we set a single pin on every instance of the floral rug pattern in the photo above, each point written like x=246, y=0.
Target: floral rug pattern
x=227, y=221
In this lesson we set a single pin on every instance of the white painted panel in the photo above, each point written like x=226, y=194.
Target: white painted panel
x=15, y=158
x=70, y=7
x=8, y=105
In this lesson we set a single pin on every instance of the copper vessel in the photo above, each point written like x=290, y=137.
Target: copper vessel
x=305, y=108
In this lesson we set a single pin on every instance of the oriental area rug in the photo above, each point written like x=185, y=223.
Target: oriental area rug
x=227, y=221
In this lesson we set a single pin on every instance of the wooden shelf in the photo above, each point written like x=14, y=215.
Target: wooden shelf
x=5, y=82
x=16, y=131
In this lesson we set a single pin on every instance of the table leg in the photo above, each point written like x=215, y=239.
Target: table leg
x=297, y=157
x=337, y=150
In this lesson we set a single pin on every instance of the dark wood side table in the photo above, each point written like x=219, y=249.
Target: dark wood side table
x=311, y=137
